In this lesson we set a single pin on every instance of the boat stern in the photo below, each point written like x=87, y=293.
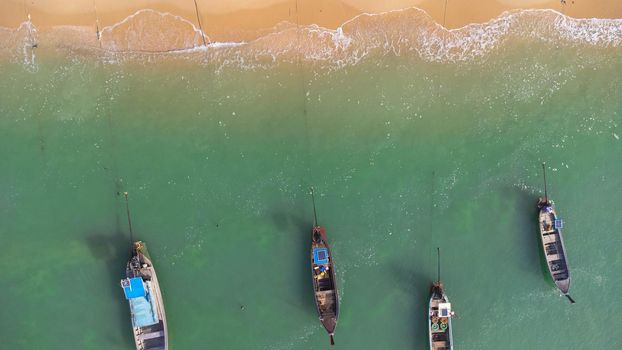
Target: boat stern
x=563, y=285
x=329, y=323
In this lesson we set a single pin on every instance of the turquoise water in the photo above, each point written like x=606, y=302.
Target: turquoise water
x=406, y=155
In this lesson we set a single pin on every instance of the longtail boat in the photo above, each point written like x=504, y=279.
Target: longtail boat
x=553, y=243
x=142, y=291
x=439, y=315
x=323, y=273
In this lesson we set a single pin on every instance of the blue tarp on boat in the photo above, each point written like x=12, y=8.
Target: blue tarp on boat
x=133, y=287
x=142, y=306
x=143, y=311
x=320, y=256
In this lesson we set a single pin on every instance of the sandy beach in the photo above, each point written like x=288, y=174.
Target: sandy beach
x=244, y=20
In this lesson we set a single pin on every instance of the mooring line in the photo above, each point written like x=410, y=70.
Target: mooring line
x=97, y=25
x=299, y=59
x=302, y=84
x=33, y=44
x=444, y=13
x=196, y=8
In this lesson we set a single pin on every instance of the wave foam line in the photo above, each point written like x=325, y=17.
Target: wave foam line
x=161, y=14
x=412, y=30
x=397, y=32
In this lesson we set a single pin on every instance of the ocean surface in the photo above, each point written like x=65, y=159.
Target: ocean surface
x=414, y=137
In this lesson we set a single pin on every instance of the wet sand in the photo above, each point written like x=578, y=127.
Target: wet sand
x=244, y=20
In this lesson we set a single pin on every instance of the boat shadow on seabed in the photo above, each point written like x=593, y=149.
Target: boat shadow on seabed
x=410, y=281
x=112, y=250
x=296, y=226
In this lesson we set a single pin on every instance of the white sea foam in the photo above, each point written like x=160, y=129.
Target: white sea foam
x=225, y=44
x=403, y=32
x=412, y=31
x=21, y=43
x=109, y=29
x=603, y=32
x=142, y=31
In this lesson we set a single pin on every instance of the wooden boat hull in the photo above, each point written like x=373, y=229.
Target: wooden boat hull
x=324, y=282
x=154, y=337
x=440, y=330
x=553, y=245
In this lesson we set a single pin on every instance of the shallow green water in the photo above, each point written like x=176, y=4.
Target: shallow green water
x=406, y=155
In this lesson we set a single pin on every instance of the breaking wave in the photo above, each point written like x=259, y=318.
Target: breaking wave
x=402, y=32
x=143, y=32
x=21, y=42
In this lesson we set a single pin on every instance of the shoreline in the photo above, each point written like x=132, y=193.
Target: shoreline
x=245, y=20
x=150, y=31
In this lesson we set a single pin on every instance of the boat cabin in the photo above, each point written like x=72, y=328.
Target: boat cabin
x=444, y=310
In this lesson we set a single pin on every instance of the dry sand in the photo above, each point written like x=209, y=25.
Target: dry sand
x=235, y=20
